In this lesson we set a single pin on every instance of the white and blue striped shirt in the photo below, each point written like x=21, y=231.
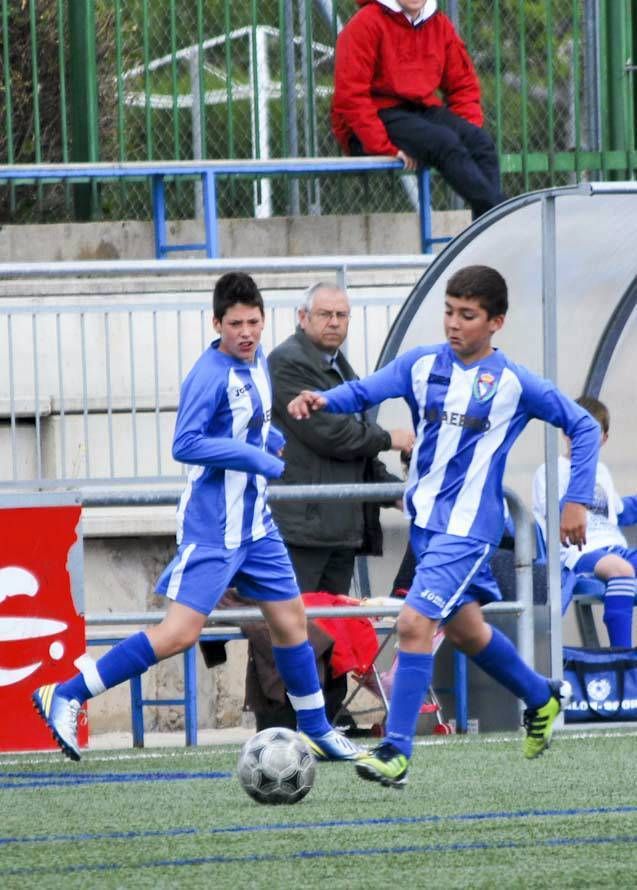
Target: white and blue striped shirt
x=223, y=429
x=466, y=419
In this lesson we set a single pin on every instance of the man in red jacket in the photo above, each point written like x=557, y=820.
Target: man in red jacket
x=394, y=60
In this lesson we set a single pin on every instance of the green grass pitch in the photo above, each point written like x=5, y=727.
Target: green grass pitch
x=474, y=815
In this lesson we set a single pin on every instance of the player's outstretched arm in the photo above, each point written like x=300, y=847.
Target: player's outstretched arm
x=302, y=406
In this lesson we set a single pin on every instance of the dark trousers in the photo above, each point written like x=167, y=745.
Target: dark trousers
x=405, y=574
x=334, y=692
x=323, y=568
x=463, y=153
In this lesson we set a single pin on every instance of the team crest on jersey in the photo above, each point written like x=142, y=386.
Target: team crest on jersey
x=484, y=387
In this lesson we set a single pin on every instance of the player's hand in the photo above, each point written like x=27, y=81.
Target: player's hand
x=573, y=524
x=305, y=404
x=409, y=163
x=402, y=440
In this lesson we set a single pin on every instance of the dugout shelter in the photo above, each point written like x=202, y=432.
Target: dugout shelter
x=568, y=256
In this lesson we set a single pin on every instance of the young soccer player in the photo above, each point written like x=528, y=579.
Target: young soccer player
x=606, y=552
x=469, y=403
x=225, y=533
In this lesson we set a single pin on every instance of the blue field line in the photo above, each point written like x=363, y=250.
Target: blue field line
x=56, y=779
x=422, y=820
x=418, y=849
x=333, y=823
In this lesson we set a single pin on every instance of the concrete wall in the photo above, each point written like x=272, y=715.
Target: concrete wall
x=378, y=233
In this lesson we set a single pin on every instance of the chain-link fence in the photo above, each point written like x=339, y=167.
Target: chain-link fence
x=182, y=79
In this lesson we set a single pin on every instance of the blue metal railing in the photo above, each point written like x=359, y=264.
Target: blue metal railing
x=208, y=172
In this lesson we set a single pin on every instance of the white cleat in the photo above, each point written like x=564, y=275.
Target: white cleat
x=61, y=716
x=332, y=746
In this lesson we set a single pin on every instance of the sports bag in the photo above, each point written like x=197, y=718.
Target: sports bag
x=604, y=683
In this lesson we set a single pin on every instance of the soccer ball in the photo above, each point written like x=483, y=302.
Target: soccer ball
x=276, y=766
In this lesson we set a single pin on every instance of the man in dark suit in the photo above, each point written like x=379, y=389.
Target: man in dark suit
x=324, y=537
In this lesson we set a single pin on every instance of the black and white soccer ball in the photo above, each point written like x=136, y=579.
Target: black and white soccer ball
x=276, y=766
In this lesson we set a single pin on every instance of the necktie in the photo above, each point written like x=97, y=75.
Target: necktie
x=335, y=367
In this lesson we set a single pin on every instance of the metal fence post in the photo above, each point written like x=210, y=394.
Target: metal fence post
x=85, y=104
x=619, y=118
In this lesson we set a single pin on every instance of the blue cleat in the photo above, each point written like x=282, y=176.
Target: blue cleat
x=61, y=716
x=332, y=746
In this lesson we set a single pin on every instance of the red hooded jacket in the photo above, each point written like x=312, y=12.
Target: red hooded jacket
x=383, y=60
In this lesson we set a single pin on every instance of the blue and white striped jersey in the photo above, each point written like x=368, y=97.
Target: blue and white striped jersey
x=223, y=429
x=466, y=419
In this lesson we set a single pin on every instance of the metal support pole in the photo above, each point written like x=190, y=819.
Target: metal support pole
x=523, y=560
x=424, y=209
x=549, y=324
x=291, y=123
x=460, y=691
x=260, y=81
x=195, y=116
x=309, y=117
x=592, y=92
x=616, y=100
x=190, y=693
x=137, y=712
x=84, y=100
x=210, y=213
x=159, y=216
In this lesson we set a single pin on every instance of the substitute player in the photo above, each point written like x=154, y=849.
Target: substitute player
x=469, y=404
x=225, y=533
x=606, y=553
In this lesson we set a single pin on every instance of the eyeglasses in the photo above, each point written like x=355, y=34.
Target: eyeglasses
x=326, y=315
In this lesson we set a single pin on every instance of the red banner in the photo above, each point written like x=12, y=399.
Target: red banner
x=41, y=633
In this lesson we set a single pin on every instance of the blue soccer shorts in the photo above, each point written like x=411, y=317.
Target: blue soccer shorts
x=450, y=572
x=198, y=576
x=588, y=561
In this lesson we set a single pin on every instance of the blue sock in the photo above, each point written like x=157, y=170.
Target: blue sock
x=297, y=666
x=127, y=659
x=618, y=611
x=411, y=682
x=500, y=660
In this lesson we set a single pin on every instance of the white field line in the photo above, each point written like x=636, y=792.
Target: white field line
x=54, y=757
x=205, y=750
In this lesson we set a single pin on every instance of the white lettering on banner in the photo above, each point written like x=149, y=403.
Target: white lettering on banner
x=626, y=704
x=575, y=705
x=608, y=706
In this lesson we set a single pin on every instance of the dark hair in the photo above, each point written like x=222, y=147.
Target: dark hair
x=483, y=284
x=233, y=288
x=596, y=409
